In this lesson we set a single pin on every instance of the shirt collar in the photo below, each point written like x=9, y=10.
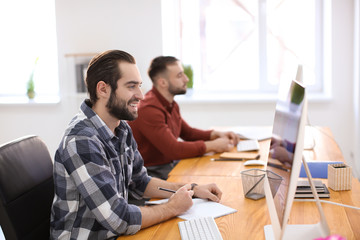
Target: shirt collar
x=167, y=105
x=98, y=123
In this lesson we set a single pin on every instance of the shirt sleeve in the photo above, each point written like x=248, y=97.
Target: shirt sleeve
x=84, y=161
x=152, y=126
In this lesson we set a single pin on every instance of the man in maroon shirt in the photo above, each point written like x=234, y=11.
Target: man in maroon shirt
x=159, y=123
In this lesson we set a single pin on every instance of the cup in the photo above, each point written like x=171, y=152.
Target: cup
x=253, y=183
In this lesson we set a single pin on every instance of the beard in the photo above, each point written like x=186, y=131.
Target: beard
x=118, y=108
x=176, y=90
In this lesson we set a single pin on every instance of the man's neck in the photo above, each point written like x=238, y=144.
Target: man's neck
x=108, y=119
x=165, y=93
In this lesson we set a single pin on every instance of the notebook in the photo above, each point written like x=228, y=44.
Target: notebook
x=239, y=155
x=201, y=208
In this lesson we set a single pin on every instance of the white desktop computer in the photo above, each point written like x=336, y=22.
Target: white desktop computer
x=286, y=148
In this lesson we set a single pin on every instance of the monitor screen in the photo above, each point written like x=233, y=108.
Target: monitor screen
x=284, y=140
x=285, y=153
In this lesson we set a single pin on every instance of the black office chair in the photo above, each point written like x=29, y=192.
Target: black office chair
x=26, y=189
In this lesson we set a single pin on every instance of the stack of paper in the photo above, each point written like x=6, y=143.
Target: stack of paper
x=303, y=190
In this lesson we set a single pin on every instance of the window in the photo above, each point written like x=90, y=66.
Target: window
x=28, y=32
x=247, y=46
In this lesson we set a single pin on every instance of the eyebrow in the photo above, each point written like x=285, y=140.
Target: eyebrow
x=133, y=82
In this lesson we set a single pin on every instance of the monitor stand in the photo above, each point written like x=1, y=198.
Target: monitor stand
x=303, y=231
x=297, y=232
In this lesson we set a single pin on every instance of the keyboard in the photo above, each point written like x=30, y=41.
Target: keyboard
x=203, y=228
x=248, y=145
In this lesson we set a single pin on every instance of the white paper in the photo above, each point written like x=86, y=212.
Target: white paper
x=201, y=208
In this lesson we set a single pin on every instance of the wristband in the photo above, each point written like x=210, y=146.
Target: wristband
x=193, y=185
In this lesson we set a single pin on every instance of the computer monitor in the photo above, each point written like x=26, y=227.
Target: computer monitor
x=286, y=150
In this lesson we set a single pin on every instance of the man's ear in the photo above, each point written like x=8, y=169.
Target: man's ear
x=103, y=90
x=162, y=82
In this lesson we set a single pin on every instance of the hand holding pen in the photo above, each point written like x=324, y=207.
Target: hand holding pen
x=207, y=191
x=181, y=200
x=166, y=190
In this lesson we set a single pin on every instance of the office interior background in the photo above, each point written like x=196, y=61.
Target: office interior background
x=85, y=27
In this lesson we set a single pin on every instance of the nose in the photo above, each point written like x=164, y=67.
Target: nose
x=139, y=95
x=186, y=78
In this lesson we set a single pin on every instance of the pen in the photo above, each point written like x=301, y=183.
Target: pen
x=234, y=159
x=227, y=159
x=167, y=190
x=277, y=166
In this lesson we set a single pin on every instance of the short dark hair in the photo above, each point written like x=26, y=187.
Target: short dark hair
x=105, y=67
x=159, y=64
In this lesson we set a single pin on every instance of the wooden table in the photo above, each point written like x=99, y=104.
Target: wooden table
x=251, y=216
x=324, y=148
x=247, y=222
x=204, y=166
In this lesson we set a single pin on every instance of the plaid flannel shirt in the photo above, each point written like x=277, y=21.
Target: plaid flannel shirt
x=94, y=171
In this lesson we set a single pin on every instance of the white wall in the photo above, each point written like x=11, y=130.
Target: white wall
x=356, y=143
x=135, y=26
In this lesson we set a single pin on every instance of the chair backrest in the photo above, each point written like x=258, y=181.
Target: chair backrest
x=26, y=189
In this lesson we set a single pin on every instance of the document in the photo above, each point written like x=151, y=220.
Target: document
x=201, y=208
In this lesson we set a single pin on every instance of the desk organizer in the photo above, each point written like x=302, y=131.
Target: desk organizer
x=253, y=183
x=339, y=177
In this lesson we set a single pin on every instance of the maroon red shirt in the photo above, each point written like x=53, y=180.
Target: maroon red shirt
x=158, y=127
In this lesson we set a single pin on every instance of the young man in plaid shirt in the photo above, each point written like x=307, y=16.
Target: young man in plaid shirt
x=97, y=165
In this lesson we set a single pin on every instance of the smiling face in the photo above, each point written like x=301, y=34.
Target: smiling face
x=176, y=78
x=123, y=102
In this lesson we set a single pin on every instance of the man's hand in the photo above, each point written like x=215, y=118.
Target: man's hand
x=280, y=153
x=233, y=137
x=181, y=201
x=208, y=191
x=178, y=203
x=219, y=145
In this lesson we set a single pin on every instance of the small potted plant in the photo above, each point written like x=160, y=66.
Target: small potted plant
x=31, y=87
x=190, y=74
x=31, y=84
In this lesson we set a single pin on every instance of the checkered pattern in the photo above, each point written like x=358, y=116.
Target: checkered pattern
x=94, y=171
